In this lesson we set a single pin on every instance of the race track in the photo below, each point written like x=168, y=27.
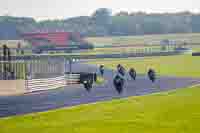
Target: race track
x=76, y=94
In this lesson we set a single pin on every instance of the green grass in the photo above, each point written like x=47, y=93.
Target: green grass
x=170, y=112
x=100, y=80
x=146, y=39
x=113, y=50
x=181, y=65
x=117, y=50
x=196, y=48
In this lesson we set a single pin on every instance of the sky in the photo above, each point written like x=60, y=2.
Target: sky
x=62, y=9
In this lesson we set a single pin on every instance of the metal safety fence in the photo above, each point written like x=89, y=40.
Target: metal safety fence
x=33, y=85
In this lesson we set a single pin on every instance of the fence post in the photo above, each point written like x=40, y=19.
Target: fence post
x=0, y=67
x=70, y=65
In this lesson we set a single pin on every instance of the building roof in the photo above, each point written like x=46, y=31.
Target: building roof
x=57, y=38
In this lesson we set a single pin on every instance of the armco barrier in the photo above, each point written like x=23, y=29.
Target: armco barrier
x=33, y=85
x=196, y=54
x=72, y=79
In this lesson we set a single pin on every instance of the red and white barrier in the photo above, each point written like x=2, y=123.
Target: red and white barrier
x=52, y=83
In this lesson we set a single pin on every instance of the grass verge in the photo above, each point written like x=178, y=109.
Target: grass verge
x=174, y=111
x=181, y=65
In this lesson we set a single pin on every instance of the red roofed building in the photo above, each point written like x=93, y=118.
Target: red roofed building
x=60, y=39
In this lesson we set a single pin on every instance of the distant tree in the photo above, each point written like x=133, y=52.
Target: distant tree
x=122, y=13
x=153, y=27
x=22, y=52
x=123, y=25
x=102, y=17
x=103, y=23
x=86, y=45
x=195, y=23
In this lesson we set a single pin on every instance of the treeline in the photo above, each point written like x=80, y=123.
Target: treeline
x=103, y=23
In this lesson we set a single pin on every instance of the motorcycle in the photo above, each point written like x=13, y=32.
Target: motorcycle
x=152, y=75
x=132, y=73
x=118, y=83
x=101, y=69
x=87, y=85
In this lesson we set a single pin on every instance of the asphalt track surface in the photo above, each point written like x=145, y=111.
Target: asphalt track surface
x=76, y=94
